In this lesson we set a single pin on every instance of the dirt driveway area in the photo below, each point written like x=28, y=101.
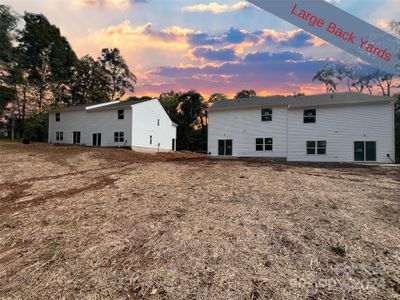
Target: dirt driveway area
x=82, y=223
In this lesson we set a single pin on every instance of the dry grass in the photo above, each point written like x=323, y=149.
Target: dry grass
x=81, y=223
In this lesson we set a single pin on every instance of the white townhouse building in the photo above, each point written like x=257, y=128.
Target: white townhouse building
x=137, y=124
x=342, y=127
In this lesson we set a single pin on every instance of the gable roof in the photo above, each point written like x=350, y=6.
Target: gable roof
x=299, y=101
x=100, y=106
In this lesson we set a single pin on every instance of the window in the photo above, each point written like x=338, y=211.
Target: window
x=264, y=144
x=119, y=137
x=58, y=117
x=266, y=114
x=120, y=114
x=158, y=122
x=77, y=137
x=321, y=147
x=59, y=136
x=310, y=115
x=151, y=139
x=316, y=147
x=310, y=147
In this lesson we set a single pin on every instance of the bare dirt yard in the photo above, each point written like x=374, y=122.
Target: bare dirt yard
x=84, y=223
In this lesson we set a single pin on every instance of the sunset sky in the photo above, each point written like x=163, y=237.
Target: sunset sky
x=211, y=46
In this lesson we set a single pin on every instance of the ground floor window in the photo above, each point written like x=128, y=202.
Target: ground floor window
x=77, y=137
x=119, y=137
x=59, y=136
x=316, y=147
x=151, y=139
x=225, y=147
x=365, y=151
x=264, y=144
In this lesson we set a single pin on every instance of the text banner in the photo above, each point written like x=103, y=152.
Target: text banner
x=339, y=28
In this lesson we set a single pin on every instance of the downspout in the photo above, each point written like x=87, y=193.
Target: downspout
x=287, y=132
x=394, y=133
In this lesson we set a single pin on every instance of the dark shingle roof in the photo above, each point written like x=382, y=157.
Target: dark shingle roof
x=299, y=101
x=106, y=107
x=121, y=104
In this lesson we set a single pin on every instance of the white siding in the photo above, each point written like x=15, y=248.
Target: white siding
x=145, y=116
x=340, y=126
x=88, y=122
x=243, y=127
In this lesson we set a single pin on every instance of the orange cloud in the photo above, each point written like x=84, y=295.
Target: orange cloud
x=216, y=8
x=119, y=4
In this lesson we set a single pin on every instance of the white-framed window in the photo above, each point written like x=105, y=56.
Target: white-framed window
x=121, y=114
x=264, y=144
x=266, y=114
x=119, y=137
x=58, y=117
x=151, y=139
x=316, y=147
x=309, y=115
x=59, y=136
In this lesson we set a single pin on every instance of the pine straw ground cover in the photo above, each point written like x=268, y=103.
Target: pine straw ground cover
x=81, y=223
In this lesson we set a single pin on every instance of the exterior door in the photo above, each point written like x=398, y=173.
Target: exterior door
x=96, y=139
x=77, y=137
x=228, y=147
x=370, y=151
x=359, y=151
x=364, y=151
x=173, y=144
x=225, y=147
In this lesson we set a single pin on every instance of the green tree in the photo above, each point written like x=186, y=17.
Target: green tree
x=217, y=97
x=192, y=121
x=245, y=94
x=36, y=127
x=89, y=83
x=170, y=102
x=8, y=23
x=121, y=78
x=327, y=76
x=46, y=56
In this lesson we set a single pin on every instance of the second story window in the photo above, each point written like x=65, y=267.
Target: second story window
x=120, y=114
x=266, y=114
x=310, y=115
x=58, y=117
x=158, y=122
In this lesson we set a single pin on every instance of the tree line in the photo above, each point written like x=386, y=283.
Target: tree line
x=39, y=71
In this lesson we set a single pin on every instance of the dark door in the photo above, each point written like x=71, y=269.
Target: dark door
x=228, y=147
x=359, y=151
x=96, y=139
x=370, y=149
x=77, y=137
x=225, y=147
x=173, y=144
x=221, y=147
